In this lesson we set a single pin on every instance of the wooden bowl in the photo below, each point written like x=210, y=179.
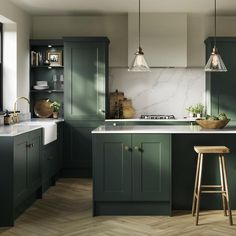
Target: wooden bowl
x=212, y=124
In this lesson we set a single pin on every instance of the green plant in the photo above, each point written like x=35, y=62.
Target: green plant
x=199, y=108
x=56, y=106
x=191, y=109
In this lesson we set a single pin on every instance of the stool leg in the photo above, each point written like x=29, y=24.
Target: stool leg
x=227, y=190
x=195, y=186
x=199, y=188
x=222, y=186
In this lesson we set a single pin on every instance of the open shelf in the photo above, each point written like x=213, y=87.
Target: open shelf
x=47, y=91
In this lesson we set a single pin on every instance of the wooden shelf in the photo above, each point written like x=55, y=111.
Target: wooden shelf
x=47, y=91
x=48, y=67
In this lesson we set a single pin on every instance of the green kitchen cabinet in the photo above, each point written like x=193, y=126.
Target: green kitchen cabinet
x=86, y=100
x=221, y=86
x=20, y=174
x=151, y=167
x=132, y=172
x=77, y=161
x=112, y=167
x=86, y=73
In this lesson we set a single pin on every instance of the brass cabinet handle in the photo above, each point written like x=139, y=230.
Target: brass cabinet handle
x=137, y=148
x=28, y=145
x=32, y=145
x=101, y=110
x=127, y=148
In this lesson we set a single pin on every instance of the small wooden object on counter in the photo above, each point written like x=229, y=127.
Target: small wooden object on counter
x=128, y=110
x=223, y=188
x=115, y=97
x=212, y=124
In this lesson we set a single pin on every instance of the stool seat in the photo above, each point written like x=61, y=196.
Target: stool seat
x=211, y=149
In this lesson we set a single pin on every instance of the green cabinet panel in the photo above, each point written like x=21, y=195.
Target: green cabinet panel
x=112, y=167
x=151, y=167
x=85, y=79
x=20, y=164
x=132, y=167
x=78, y=147
x=34, y=160
x=221, y=86
x=20, y=168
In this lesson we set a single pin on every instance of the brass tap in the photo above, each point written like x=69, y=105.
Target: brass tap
x=15, y=115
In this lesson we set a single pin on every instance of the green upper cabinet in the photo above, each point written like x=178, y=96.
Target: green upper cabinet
x=86, y=77
x=151, y=167
x=221, y=86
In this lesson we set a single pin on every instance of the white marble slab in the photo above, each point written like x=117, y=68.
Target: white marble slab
x=162, y=91
x=162, y=129
x=14, y=130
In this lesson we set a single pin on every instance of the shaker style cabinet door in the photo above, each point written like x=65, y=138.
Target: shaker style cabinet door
x=112, y=167
x=20, y=168
x=85, y=79
x=151, y=167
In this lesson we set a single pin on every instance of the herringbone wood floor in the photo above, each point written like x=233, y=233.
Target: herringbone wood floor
x=66, y=209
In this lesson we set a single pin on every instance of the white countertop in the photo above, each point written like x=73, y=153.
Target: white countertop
x=24, y=127
x=162, y=129
x=153, y=120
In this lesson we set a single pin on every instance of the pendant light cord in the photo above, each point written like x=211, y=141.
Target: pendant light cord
x=215, y=25
x=139, y=16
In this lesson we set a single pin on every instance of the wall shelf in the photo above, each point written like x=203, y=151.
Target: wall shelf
x=47, y=91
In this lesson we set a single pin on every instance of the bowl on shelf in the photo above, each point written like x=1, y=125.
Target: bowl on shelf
x=212, y=124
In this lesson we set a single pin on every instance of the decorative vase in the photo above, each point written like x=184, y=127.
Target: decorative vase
x=55, y=114
x=199, y=115
x=191, y=114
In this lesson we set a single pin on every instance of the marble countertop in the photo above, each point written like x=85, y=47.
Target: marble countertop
x=152, y=120
x=26, y=126
x=162, y=129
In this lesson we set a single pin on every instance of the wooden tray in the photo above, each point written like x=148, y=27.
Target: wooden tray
x=212, y=124
x=43, y=109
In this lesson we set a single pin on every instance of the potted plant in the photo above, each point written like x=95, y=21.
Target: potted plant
x=199, y=110
x=191, y=111
x=56, y=107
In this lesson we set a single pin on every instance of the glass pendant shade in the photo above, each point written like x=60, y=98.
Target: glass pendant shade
x=215, y=62
x=139, y=63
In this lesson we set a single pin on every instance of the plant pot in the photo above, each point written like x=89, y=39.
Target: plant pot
x=55, y=114
x=199, y=115
x=191, y=114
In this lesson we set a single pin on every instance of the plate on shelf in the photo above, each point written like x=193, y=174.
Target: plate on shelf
x=38, y=87
x=43, y=109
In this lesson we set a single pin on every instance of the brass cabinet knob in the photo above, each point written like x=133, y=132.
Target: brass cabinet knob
x=127, y=148
x=137, y=148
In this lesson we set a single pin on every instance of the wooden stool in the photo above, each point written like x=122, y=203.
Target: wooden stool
x=198, y=187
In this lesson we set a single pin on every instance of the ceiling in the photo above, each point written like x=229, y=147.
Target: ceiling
x=88, y=7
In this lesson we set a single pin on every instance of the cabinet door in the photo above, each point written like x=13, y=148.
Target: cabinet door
x=20, y=168
x=34, y=160
x=151, y=167
x=112, y=167
x=85, y=75
x=78, y=147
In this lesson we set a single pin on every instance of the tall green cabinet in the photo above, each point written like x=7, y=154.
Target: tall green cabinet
x=86, y=88
x=220, y=87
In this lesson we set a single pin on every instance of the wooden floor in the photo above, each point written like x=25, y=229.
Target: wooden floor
x=66, y=209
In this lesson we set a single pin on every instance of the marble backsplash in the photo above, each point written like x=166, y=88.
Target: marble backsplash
x=161, y=91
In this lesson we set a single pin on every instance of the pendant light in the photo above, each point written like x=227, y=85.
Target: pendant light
x=139, y=63
x=215, y=62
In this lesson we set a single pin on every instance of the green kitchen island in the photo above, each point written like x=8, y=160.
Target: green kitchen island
x=150, y=169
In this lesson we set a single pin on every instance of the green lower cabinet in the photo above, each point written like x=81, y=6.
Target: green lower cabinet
x=151, y=167
x=77, y=161
x=112, y=168
x=20, y=174
x=132, y=174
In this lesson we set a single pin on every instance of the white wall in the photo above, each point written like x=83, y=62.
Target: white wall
x=10, y=14
x=199, y=27
x=115, y=27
